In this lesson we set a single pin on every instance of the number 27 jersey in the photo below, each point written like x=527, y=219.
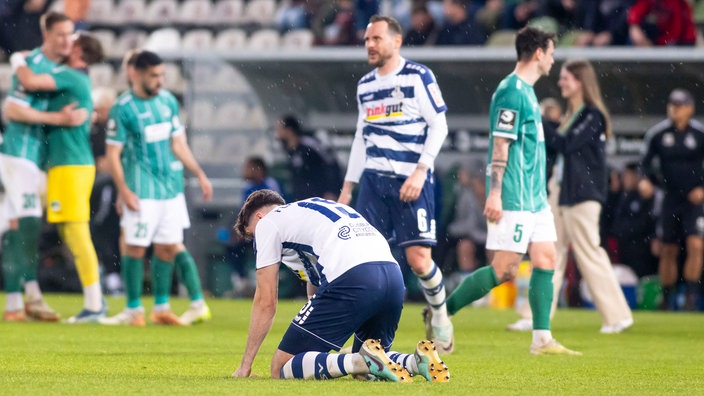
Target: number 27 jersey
x=319, y=240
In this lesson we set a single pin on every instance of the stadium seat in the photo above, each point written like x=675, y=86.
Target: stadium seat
x=230, y=113
x=230, y=80
x=197, y=40
x=545, y=23
x=226, y=12
x=256, y=119
x=106, y=38
x=201, y=114
x=297, y=39
x=5, y=78
x=569, y=38
x=196, y=12
x=101, y=11
x=264, y=40
x=230, y=40
x=129, y=39
x=260, y=11
x=165, y=39
x=161, y=12
x=130, y=12
x=101, y=75
x=173, y=77
x=502, y=38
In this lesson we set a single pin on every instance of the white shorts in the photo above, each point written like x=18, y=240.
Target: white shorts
x=157, y=221
x=185, y=218
x=517, y=229
x=25, y=187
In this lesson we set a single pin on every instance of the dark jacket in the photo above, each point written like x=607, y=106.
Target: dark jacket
x=584, y=176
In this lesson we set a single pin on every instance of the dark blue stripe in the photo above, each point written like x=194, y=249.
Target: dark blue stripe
x=322, y=364
x=314, y=272
x=320, y=209
x=397, y=123
x=431, y=274
x=297, y=366
x=405, y=360
x=399, y=137
x=408, y=92
x=341, y=364
x=435, y=290
x=402, y=156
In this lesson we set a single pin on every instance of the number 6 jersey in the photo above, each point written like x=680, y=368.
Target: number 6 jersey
x=319, y=240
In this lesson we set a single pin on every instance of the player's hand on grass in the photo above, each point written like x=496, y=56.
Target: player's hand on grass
x=206, y=187
x=493, y=209
x=411, y=188
x=72, y=116
x=696, y=196
x=242, y=372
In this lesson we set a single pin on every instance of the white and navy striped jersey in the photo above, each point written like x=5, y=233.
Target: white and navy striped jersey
x=319, y=240
x=395, y=112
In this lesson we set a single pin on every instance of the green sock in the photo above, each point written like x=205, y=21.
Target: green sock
x=13, y=262
x=30, y=228
x=133, y=277
x=161, y=280
x=188, y=273
x=472, y=288
x=540, y=297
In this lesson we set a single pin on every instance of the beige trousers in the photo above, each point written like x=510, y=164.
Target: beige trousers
x=579, y=224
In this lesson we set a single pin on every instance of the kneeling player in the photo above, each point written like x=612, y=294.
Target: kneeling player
x=359, y=291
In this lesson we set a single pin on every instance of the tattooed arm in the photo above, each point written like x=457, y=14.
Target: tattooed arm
x=499, y=159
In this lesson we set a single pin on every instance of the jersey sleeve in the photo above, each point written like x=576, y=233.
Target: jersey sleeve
x=117, y=127
x=63, y=78
x=430, y=99
x=506, y=114
x=267, y=244
x=177, y=127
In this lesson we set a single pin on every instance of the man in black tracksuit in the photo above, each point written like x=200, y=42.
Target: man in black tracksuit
x=674, y=161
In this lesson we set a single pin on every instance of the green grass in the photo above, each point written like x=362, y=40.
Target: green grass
x=662, y=353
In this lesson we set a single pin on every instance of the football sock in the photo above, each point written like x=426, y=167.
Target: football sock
x=692, y=287
x=162, y=272
x=29, y=229
x=32, y=291
x=188, y=274
x=434, y=291
x=472, y=288
x=404, y=359
x=77, y=237
x=132, y=278
x=321, y=365
x=540, y=297
x=13, y=302
x=13, y=261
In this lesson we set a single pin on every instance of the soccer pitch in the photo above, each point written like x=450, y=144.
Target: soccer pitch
x=662, y=353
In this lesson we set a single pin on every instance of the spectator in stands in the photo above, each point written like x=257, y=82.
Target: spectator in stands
x=564, y=12
x=363, y=11
x=460, y=28
x=488, y=14
x=517, y=14
x=77, y=10
x=468, y=226
x=314, y=172
x=634, y=225
x=338, y=27
x=423, y=30
x=677, y=145
x=602, y=23
x=292, y=15
x=19, y=24
x=661, y=22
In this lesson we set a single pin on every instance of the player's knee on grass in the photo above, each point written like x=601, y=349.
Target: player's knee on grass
x=278, y=361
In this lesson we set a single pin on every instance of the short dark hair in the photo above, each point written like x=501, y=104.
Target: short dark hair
x=91, y=48
x=131, y=57
x=633, y=167
x=292, y=122
x=394, y=26
x=257, y=200
x=258, y=163
x=146, y=59
x=51, y=18
x=529, y=39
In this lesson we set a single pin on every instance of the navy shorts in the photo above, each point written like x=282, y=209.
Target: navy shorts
x=679, y=218
x=407, y=223
x=365, y=301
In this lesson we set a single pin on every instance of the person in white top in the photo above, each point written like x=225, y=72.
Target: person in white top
x=355, y=288
x=400, y=130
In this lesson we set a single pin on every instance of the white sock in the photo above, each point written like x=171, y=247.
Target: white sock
x=93, y=297
x=404, y=359
x=162, y=307
x=32, y=291
x=197, y=304
x=320, y=365
x=13, y=302
x=541, y=337
x=434, y=291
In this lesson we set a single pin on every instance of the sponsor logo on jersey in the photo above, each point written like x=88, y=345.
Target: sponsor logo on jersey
x=111, y=128
x=383, y=111
x=397, y=93
x=435, y=95
x=344, y=233
x=507, y=120
x=157, y=132
x=55, y=206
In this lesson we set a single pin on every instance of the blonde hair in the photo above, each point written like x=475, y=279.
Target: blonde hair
x=583, y=72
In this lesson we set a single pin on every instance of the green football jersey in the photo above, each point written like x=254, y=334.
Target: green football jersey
x=28, y=140
x=177, y=176
x=144, y=128
x=70, y=145
x=515, y=114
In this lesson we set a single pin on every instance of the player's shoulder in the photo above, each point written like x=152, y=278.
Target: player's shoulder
x=697, y=126
x=417, y=69
x=123, y=101
x=367, y=78
x=658, y=129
